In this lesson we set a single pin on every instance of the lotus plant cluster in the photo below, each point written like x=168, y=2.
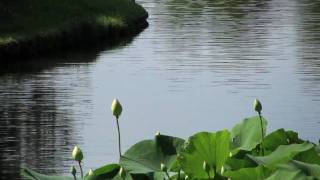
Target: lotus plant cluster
x=246, y=152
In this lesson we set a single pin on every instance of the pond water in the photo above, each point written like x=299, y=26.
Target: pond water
x=197, y=67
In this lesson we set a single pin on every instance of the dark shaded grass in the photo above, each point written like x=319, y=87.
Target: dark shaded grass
x=33, y=27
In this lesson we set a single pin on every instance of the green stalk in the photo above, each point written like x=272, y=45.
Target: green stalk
x=74, y=177
x=119, y=139
x=209, y=175
x=80, y=169
x=262, y=136
x=167, y=175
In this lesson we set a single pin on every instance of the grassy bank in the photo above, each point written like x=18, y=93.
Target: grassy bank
x=33, y=27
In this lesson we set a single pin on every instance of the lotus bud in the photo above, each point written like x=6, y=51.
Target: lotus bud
x=122, y=173
x=158, y=133
x=222, y=170
x=206, y=166
x=73, y=170
x=257, y=105
x=163, y=167
x=77, y=154
x=91, y=173
x=116, y=108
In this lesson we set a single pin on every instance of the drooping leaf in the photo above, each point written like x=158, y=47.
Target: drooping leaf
x=282, y=154
x=252, y=173
x=33, y=175
x=204, y=146
x=247, y=135
x=146, y=156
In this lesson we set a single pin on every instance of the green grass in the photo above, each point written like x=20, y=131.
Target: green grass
x=26, y=19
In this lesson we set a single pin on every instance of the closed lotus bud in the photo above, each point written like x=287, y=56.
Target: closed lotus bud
x=77, y=154
x=91, y=173
x=257, y=105
x=73, y=170
x=122, y=173
x=116, y=108
x=158, y=133
x=163, y=167
x=222, y=170
x=206, y=166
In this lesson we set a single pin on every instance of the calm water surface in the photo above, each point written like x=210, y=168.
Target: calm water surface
x=197, y=67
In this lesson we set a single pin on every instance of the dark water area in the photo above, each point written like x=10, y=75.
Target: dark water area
x=197, y=67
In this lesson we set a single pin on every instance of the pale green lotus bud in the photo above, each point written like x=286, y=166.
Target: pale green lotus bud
x=122, y=173
x=163, y=167
x=116, y=108
x=222, y=170
x=158, y=133
x=257, y=105
x=73, y=170
x=206, y=166
x=91, y=173
x=77, y=154
x=230, y=154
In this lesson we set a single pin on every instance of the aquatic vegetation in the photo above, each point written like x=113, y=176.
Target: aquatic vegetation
x=116, y=109
x=77, y=156
x=246, y=152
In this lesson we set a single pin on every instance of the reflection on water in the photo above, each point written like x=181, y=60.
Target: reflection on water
x=197, y=67
x=39, y=119
x=43, y=102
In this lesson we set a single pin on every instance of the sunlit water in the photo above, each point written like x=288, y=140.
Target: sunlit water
x=197, y=67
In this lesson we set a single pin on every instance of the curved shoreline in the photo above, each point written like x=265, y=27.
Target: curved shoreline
x=84, y=34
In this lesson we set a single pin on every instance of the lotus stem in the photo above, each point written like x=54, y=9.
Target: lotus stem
x=74, y=177
x=262, y=135
x=119, y=138
x=179, y=174
x=209, y=175
x=167, y=175
x=81, y=171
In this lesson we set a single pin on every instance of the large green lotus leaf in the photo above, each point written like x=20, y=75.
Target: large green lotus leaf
x=293, y=137
x=310, y=156
x=32, y=175
x=146, y=156
x=282, y=154
x=252, y=173
x=108, y=171
x=118, y=177
x=317, y=148
x=204, y=146
x=307, y=168
x=235, y=164
x=296, y=170
x=247, y=135
x=287, y=172
x=275, y=139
